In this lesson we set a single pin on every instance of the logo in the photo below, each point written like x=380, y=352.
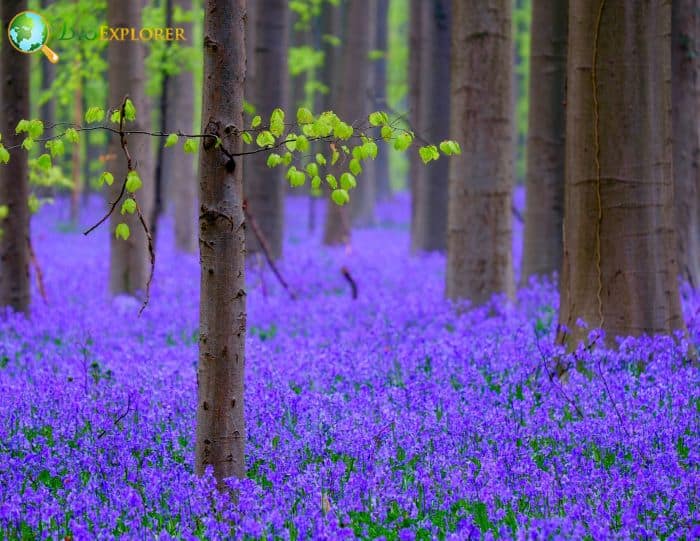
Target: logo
x=28, y=32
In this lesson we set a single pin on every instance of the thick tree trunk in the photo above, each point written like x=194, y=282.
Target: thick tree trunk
x=417, y=15
x=381, y=164
x=430, y=231
x=479, y=260
x=337, y=225
x=620, y=270
x=220, y=441
x=686, y=134
x=178, y=167
x=356, y=101
x=14, y=181
x=129, y=260
x=264, y=187
x=544, y=180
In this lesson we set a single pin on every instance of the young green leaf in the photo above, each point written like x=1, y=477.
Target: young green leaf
x=312, y=169
x=190, y=145
x=44, y=162
x=247, y=138
x=22, y=126
x=378, y=118
x=265, y=139
x=122, y=231
x=428, y=153
x=304, y=116
x=133, y=182
x=33, y=203
x=320, y=159
x=355, y=167
x=55, y=147
x=4, y=211
x=28, y=143
x=347, y=181
x=71, y=135
x=332, y=182
x=256, y=121
x=94, y=114
x=316, y=182
x=291, y=142
x=273, y=160
x=106, y=178
x=116, y=116
x=302, y=143
x=340, y=197
x=334, y=157
x=129, y=205
x=387, y=133
x=171, y=140
x=4, y=154
x=35, y=129
x=403, y=141
x=277, y=122
x=129, y=110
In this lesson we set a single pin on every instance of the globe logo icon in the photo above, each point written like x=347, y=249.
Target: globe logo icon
x=28, y=32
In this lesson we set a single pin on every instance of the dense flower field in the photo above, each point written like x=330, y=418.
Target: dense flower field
x=394, y=416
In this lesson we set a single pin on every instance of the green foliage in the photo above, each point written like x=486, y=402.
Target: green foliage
x=129, y=110
x=128, y=206
x=122, y=231
x=106, y=178
x=191, y=145
x=95, y=114
x=133, y=182
x=171, y=140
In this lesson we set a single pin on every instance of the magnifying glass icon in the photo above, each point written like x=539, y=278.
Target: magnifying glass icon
x=28, y=32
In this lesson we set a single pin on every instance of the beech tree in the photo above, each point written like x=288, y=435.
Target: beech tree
x=264, y=187
x=129, y=260
x=544, y=180
x=620, y=270
x=381, y=164
x=14, y=176
x=430, y=230
x=479, y=260
x=417, y=15
x=685, y=77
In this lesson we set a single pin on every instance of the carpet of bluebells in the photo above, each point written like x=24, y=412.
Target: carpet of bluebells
x=393, y=416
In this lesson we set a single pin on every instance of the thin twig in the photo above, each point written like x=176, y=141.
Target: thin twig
x=37, y=270
x=353, y=284
x=152, y=255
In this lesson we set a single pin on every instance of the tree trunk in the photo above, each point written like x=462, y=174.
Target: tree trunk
x=129, y=260
x=48, y=75
x=77, y=189
x=178, y=167
x=14, y=180
x=417, y=15
x=356, y=98
x=544, y=180
x=479, y=259
x=264, y=187
x=220, y=441
x=620, y=270
x=381, y=164
x=337, y=224
x=686, y=135
x=430, y=231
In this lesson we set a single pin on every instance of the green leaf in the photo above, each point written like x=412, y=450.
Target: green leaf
x=129, y=110
x=347, y=181
x=287, y=158
x=312, y=169
x=190, y=145
x=355, y=167
x=94, y=114
x=343, y=131
x=4, y=154
x=291, y=142
x=403, y=141
x=35, y=129
x=304, y=116
x=71, y=135
x=277, y=122
x=22, y=126
x=122, y=231
x=133, y=182
x=316, y=182
x=296, y=178
x=302, y=143
x=320, y=159
x=273, y=160
x=332, y=182
x=334, y=157
x=55, y=147
x=171, y=140
x=247, y=138
x=33, y=203
x=28, y=143
x=265, y=139
x=44, y=162
x=340, y=197
x=4, y=211
x=378, y=118
x=371, y=149
x=256, y=121
x=129, y=205
x=428, y=153
x=387, y=133
x=115, y=116
x=106, y=178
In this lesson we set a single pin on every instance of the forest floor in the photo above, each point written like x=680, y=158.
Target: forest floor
x=395, y=416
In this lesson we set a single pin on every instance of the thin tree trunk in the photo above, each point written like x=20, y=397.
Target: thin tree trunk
x=220, y=441
x=620, y=270
x=129, y=260
x=337, y=224
x=430, y=231
x=14, y=181
x=178, y=168
x=416, y=169
x=381, y=164
x=48, y=75
x=479, y=260
x=686, y=134
x=77, y=178
x=544, y=181
x=264, y=187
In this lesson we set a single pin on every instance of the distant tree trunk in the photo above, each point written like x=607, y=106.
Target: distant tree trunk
x=264, y=187
x=48, y=75
x=686, y=134
x=337, y=224
x=381, y=164
x=430, y=231
x=544, y=180
x=620, y=270
x=220, y=440
x=129, y=263
x=356, y=100
x=178, y=167
x=417, y=16
x=479, y=260
x=14, y=180
x=77, y=178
